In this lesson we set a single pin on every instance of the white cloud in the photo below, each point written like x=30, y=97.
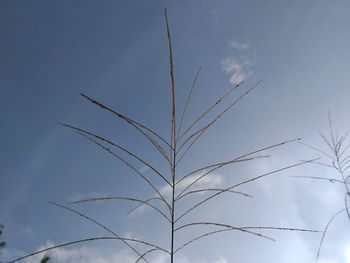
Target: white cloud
x=239, y=64
x=236, y=69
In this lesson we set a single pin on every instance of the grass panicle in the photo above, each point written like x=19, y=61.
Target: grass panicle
x=172, y=151
x=337, y=158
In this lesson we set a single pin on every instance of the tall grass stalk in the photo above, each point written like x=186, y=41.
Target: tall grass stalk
x=338, y=159
x=173, y=151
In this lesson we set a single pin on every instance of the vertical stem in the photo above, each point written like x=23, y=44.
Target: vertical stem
x=173, y=139
x=173, y=209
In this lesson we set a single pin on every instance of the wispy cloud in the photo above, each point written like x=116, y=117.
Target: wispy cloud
x=239, y=63
x=236, y=70
x=239, y=45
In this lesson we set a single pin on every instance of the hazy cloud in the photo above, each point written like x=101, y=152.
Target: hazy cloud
x=238, y=64
x=239, y=45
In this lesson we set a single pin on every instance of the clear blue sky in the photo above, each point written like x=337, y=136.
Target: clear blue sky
x=116, y=52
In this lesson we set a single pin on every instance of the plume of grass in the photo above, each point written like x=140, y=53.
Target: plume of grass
x=338, y=159
x=172, y=151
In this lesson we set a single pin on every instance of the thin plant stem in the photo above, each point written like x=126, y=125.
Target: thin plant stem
x=325, y=231
x=237, y=158
x=99, y=224
x=117, y=146
x=109, y=198
x=206, y=127
x=141, y=204
x=129, y=165
x=87, y=240
x=133, y=123
x=188, y=101
x=212, y=190
x=239, y=184
x=173, y=138
x=209, y=109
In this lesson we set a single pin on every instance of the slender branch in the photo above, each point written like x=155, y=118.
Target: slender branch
x=322, y=164
x=246, y=227
x=87, y=240
x=212, y=190
x=344, y=150
x=233, y=228
x=239, y=184
x=129, y=165
x=99, y=224
x=238, y=158
x=188, y=100
x=146, y=253
x=318, y=150
x=118, y=146
x=205, y=128
x=108, y=198
x=325, y=231
x=212, y=170
x=210, y=109
x=282, y=229
x=141, y=204
x=326, y=141
x=332, y=180
x=220, y=231
x=133, y=123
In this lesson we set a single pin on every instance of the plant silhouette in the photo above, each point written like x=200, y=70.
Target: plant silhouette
x=337, y=158
x=173, y=151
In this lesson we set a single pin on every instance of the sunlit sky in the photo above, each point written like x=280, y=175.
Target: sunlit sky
x=117, y=53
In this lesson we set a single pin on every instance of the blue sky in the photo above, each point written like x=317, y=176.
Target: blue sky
x=116, y=52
